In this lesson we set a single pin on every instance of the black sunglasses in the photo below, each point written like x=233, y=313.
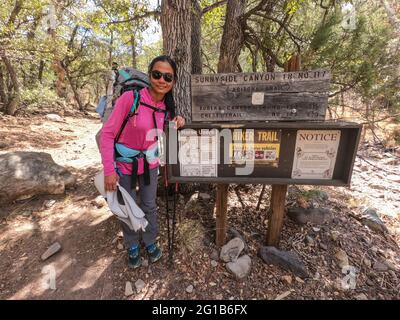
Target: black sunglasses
x=169, y=77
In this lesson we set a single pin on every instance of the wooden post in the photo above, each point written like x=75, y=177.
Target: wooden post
x=221, y=204
x=276, y=214
x=278, y=193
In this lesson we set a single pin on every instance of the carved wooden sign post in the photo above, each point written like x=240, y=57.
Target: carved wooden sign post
x=295, y=96
x=262, y=128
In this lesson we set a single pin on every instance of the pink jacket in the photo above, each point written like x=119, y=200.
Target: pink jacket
x=134, y=134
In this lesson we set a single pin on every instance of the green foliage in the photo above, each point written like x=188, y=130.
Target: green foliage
x=364, y=58
x=38, y=97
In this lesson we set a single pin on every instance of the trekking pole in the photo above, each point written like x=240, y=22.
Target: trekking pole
x=173, y=224
x=167, y=210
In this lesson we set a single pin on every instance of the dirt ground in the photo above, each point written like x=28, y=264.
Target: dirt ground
x=92, y=263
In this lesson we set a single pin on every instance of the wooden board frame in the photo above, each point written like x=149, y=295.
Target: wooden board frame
x=350, y=137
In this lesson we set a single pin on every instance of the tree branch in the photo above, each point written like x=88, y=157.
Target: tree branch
x=213, y=6
x=293, y=36
x=253, y=36
x=134, y=18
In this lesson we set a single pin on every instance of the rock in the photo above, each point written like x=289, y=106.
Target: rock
x=145, y=263
x=54, y=117
x=26, y=213
x=367, y=262
x=214, y=255
x=288, y=279
x=310, y=241
x=189, y=289
x=232, y=250
x=236, y=234
x=377, y=186
x=3, y=145
x=219, y=297
x=364, y=168
x=287, y=260
x=316, y=229
x=99, y=202
x=49, y=203
x=214, y=263
x=312, y=215
x=391, y=266
x=371, y=219
x=361, y=296
x=298, y=280
x=241, y=267
x=120, y=246
x=380, y=267
x=139, y=285
x=323, y=195
x=283, y=295
x=204, y=196
x=193, y=205
x=128, y=289
x=370, y=283
x=393, y=274
x=317, y=276
x=52, y=250
x=323, y=246
x=342, y=258
x=26, y=174
x=335, y=235
x=394, y=177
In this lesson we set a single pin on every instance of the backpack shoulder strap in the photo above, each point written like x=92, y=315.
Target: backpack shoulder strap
x=136, y=99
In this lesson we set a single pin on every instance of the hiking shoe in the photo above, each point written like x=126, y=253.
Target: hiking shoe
x=134, y=260
x=154, y=252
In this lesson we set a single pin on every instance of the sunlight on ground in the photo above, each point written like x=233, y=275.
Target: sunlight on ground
x=100, y=219
x=93, y=273
x=44, y=280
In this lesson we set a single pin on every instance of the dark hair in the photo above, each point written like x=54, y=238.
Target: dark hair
x=169, y=98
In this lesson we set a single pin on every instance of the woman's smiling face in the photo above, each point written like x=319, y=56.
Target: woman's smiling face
x=161, y=86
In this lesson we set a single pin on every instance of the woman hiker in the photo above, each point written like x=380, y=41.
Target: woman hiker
x=155, y=104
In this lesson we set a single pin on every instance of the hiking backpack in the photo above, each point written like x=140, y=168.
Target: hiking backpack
x=125, y=79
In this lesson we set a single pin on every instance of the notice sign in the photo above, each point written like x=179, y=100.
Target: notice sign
x=259, y=146
x=315, y=154
x=198, y=153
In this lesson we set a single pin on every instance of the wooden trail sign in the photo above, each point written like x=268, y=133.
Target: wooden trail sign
x=303, y=152
x=299, y=95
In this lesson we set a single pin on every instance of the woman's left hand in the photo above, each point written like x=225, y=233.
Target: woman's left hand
x=179, y=121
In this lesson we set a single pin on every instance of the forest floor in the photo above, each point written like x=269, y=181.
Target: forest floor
x=92, y=263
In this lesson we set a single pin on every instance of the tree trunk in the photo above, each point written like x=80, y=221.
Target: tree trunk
x=75, y=91
x=58, y=70
x=232, y=37
x=197, y=65
x=3, y=96
x=176, y=29
x=13, y=99
x=134, y=55
x=110, y=50
x=40, y=73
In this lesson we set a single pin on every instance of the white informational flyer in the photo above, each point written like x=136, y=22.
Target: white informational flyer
x=198, y=153
x=315, y=154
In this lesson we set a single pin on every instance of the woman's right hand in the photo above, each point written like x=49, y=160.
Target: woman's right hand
x=110, y=182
